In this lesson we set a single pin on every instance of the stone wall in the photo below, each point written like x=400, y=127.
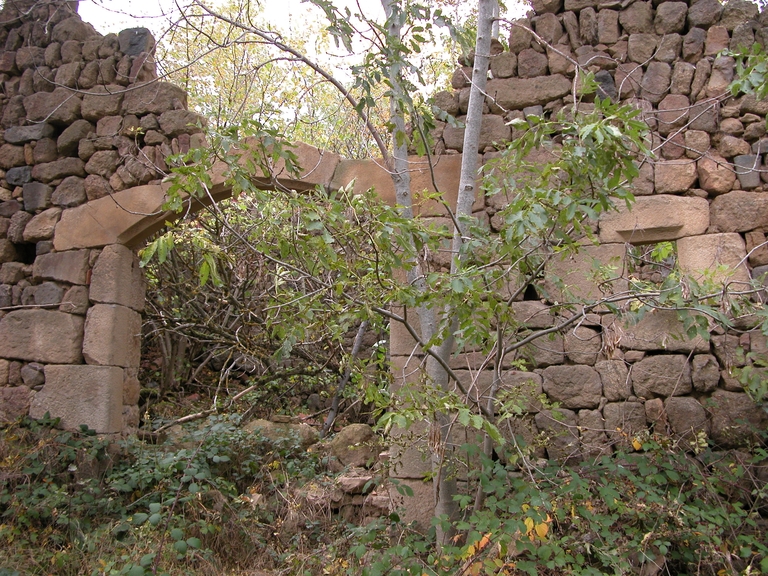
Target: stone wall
x=86, y=129
x=83, y=117
x=704, y=189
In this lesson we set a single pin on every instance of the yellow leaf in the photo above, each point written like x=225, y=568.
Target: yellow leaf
x=484, y=541
x=529, y=524
x=542, y=530
x=636, y=444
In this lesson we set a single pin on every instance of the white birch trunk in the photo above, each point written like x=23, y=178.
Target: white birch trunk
x=445, y=484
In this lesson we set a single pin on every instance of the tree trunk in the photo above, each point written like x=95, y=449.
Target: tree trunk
x=440, y=446
x=445, y=483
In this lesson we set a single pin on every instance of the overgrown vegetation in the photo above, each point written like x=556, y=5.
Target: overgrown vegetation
x=221, y=500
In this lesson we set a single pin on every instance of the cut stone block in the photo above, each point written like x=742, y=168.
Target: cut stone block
x=409, y=455
x=117, y=278
x=686, y=416
x=721, y=258
x=90, y=395
x=736, y=419
x=658, y=330
x=368, y=174
x=419, y=507
x=42, y=336
x=109, y=220
x=655, y=219
x=663, y=375
x=112, y=336
x=401, y=343
x=577, y=277
x=573, y=386
x=70, y=266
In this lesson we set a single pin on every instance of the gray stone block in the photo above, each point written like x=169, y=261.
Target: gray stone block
x=90, y=395
x=112, y=336
x=69, y=266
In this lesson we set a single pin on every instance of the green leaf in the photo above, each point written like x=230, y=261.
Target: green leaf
x=177, y=534
x=180, y=546
x=155, y=507
x=155, y=519
x=147, y=559
x=139, y=518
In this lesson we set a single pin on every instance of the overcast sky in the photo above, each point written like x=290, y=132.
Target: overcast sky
x=115, y=15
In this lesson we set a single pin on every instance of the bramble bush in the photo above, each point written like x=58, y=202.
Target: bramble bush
x=653, y=510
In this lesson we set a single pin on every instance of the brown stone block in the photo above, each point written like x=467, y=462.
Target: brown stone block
x=494, y=132
x=518, y=93
x=90, y=395
x=655, y=219
x=117, y=278
x=112, y=336
x=576, y=277
x=594, y=442
x=154, y=98
x=674, y=176
x=757, y=248
x=662, y=375
x=60, y=107
x=545, y=351
x=561, y=427
x=41, y=336
x=736, y=419
x=583, y=345
x=720, y=258
x=739, y=211
x=14, y=403
x=41, y=226
x=69, y=266
x=368, y=174
x=614, y=375
x=573, y=387
x=686, y=417
x=624, y=420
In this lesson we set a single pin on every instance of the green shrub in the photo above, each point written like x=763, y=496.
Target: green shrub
x=688, y=514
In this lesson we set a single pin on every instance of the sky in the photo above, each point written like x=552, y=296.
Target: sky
x=115, y=15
